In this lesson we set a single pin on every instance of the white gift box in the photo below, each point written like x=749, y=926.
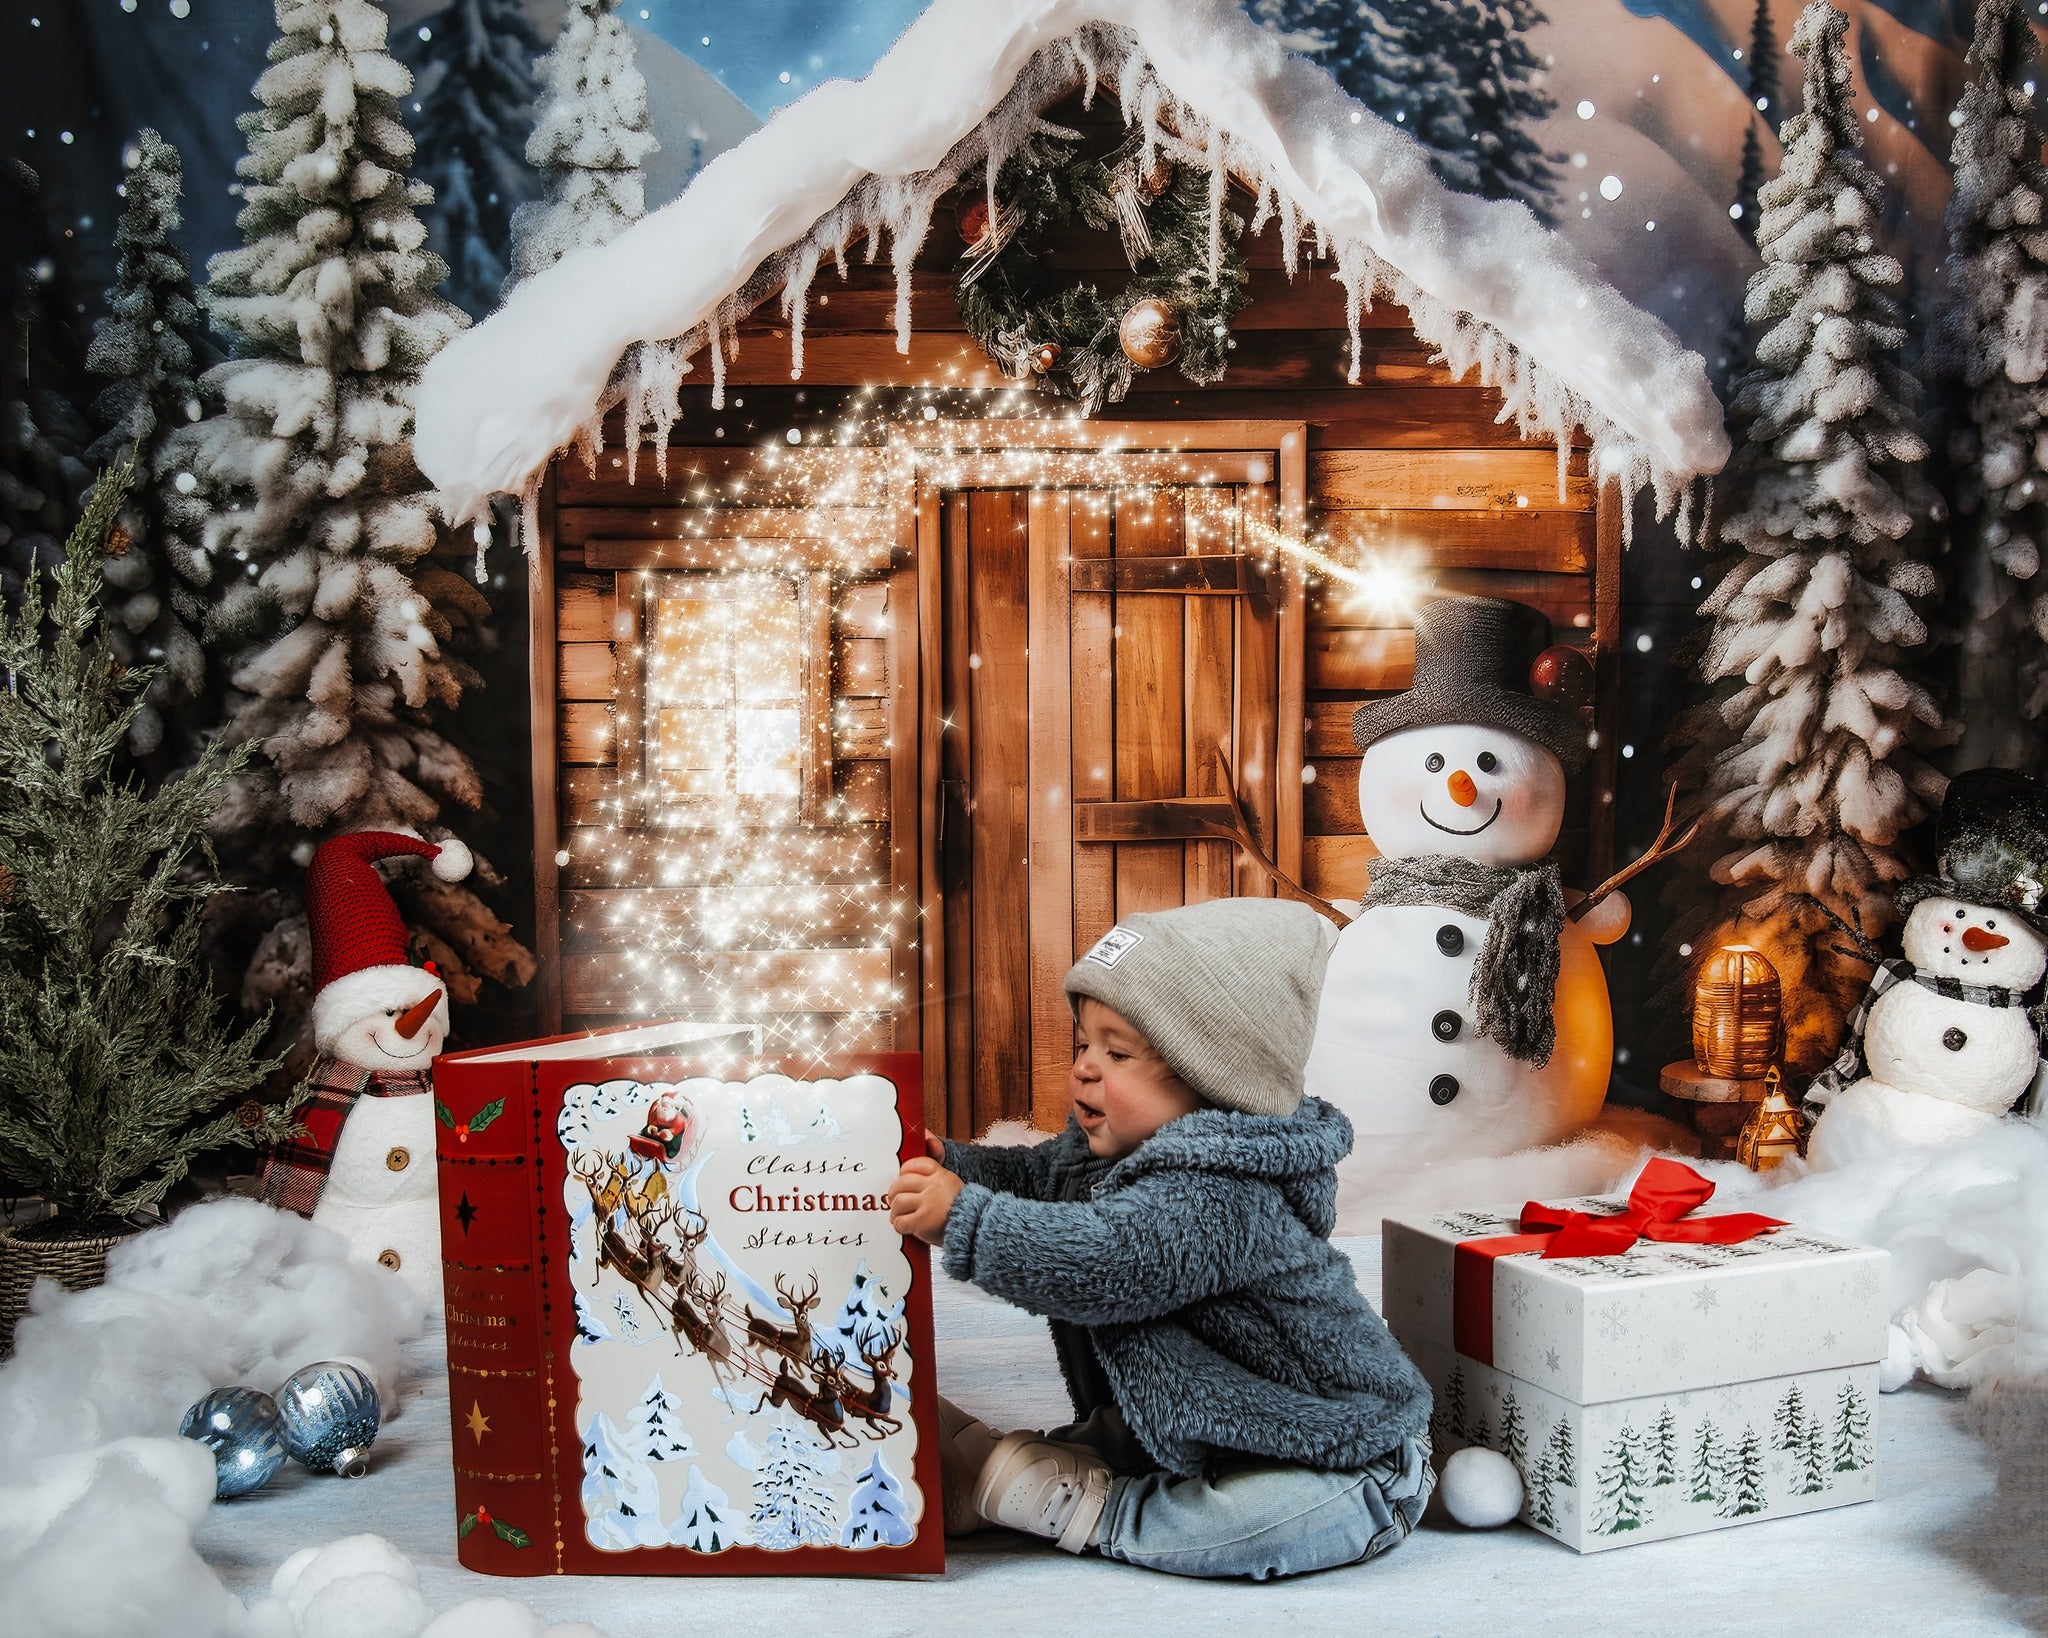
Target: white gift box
x=1666, y=1390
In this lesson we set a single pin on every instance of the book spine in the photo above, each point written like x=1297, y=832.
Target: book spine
x=507, y=1507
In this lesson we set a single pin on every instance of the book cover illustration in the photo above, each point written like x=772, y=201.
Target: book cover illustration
x=741, y=1359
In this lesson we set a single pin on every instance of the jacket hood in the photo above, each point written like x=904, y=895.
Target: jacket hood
x=1297, y=1153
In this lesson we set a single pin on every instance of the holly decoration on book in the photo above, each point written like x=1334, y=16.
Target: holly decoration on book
x=511, y=1534
x=1076, y=339
x=476, y=1122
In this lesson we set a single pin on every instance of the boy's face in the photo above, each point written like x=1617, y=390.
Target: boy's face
x=1120, y=1089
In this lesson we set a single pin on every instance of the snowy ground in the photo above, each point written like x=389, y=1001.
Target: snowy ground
x=1949, y=1548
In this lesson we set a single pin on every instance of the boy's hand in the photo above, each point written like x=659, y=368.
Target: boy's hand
x=922, y=1196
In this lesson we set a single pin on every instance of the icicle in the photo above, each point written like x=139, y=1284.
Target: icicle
x=1351, y=273
x=1262, y=211
x=717, y=364
x=796, y=293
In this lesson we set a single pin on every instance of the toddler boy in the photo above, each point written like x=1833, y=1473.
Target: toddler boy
x=1239, y=1408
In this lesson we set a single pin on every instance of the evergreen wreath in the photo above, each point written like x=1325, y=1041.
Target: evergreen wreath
x=1069, y=337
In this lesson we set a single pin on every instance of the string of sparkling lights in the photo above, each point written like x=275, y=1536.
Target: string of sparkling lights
x=761, y=890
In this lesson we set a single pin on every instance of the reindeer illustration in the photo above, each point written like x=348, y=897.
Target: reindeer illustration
x=819, y=1405
x=871, y=1404
x=793, y=1343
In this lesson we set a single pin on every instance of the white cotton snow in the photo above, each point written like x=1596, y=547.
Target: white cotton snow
x=855, y=165
x=98, y=1494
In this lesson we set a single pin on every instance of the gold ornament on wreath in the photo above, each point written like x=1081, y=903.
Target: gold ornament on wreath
x=1150, y=333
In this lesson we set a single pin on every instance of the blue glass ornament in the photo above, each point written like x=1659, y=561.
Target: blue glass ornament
x=330, y=1413
x=241, y=1427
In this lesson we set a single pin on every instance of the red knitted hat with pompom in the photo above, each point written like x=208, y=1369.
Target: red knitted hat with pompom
x=359, y=940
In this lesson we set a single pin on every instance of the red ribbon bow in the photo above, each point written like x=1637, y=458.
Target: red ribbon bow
x=1657, y=1210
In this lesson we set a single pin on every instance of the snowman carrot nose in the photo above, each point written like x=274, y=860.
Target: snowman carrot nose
x=1976, y=940
x=414, y=1018
x=1463, y=791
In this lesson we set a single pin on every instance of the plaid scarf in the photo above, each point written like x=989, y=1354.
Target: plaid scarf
x=1849, y=1065
x=295, y=1170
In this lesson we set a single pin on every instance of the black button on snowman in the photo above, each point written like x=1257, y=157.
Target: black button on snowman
x=1462, y=789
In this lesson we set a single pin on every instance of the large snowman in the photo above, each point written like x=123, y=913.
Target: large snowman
x=1464, y=1015
x=366, y=1166
x=1948, y=1038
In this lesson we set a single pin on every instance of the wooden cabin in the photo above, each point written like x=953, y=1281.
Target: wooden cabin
x=867, y=736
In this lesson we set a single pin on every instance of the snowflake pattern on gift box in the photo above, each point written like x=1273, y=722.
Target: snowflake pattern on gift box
x=1613, y=1322
x=1551, y=1362
x=1706, y=1299
x=1518, y=1300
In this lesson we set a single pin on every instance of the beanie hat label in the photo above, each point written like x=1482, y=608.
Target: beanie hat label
x=1113, y=946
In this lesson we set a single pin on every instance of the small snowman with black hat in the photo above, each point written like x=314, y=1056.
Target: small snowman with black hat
x=365, y=1167
x=1464, y=1013
x=1947, y=1040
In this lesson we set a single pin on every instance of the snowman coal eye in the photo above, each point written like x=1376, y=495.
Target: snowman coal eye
x=1954, y=1039
x=1488, y=762
x=1435, y=764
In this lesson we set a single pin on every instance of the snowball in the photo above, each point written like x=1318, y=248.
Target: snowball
x=1480, y=1488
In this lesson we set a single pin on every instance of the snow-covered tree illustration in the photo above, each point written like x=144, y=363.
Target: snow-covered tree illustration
x=473, y=61
x=621, y=1505
x=1514, y=1431
x=794, y=1500
x=1813, y=1460
x=656, y=1431
x=704, y=1519
x=589, y=1326
x=590, y=139
x=1481, y=1432
x=1705, y=1483
x=1543, y=1493
x=1790, y=1419
x=628, y=1314
x=1807, y=762
x=1991, y=353
x=867, y=1319
x=1664, y=1448
x=1762, y=64
x=750, y=1131
x=1562, y=1462
x=1743, y=1478
x=1620, y=1480
x=349, y=628
x=1454, y=1398
x=151, y=345
x=876, y=1518
x=1852, y=1429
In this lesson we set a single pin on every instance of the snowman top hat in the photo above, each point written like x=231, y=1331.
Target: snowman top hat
x=1472, y=659
x=360, y=960
x=1991, y=846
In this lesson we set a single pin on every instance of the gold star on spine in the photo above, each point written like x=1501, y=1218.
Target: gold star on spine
x=477, y=1423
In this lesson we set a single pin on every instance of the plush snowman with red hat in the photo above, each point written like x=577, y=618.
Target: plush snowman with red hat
x=366, y=1166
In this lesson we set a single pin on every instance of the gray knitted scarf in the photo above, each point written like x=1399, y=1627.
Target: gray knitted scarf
x=1514, y=981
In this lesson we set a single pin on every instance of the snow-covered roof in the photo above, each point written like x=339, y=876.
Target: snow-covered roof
x=856, y=165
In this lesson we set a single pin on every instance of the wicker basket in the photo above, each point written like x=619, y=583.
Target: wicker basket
x=50, y=1249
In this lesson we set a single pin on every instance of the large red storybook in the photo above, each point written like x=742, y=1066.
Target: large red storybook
x=682, y=1337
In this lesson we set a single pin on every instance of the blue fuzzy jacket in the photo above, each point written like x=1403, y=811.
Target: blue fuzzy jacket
x=1198, y=1271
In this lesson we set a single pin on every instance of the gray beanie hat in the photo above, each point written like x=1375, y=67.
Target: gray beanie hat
x=1226, y=992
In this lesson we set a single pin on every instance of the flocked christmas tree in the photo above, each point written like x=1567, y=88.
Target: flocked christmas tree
x=1543, y=1493
x=1992, y=354
x=1852, y=1429
x=590, y=139
x=1789, y=1419
x=876, y=1517
x=1457, y=75
x=350, y=619
x=1813, y=1460
x=473, y=63
x=794, y=1504
x=1514, y=1434
x=1620, y=1481
x=1743, y=1480
x=119, y=1068
x=1562, y=1462
x=151, y=343
x=1664, y=1448
x=1807, y=761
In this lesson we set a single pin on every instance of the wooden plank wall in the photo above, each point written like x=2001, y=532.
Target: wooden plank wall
x=1408, y=463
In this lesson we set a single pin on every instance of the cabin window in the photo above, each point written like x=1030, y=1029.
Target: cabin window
x=723, y=731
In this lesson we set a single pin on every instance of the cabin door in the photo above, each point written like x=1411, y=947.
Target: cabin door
x=1101, y=651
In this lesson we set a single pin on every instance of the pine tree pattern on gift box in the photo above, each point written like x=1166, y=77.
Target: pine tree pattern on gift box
x=1814, y=1476
x=1852, y=1430
x=1664, y=1448
x=1514, y=1439
x=1790, y=1418
x=1705, y=1483
x=1620, y=1478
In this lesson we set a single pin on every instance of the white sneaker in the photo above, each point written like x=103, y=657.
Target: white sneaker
x=965, y=1444
x=1044, y=1488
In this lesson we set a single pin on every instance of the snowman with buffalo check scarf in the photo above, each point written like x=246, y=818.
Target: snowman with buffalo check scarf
x=365, y=1166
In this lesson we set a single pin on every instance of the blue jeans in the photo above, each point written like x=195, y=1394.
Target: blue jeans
x=1245, y=1517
